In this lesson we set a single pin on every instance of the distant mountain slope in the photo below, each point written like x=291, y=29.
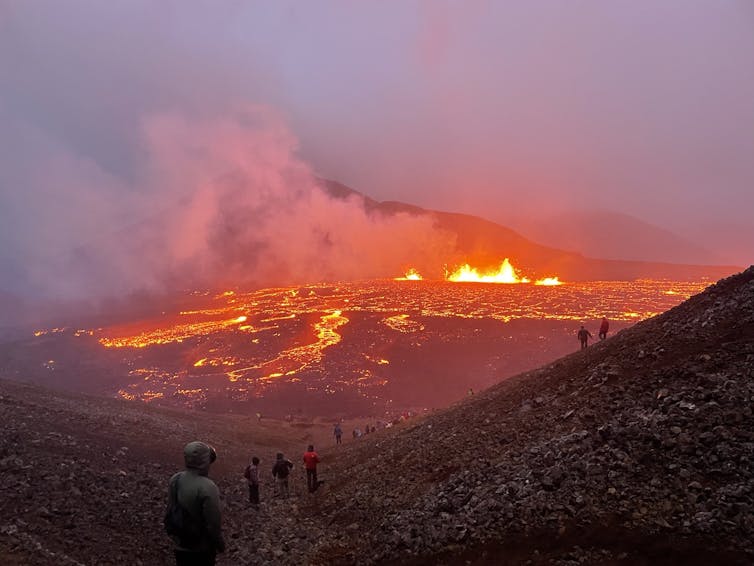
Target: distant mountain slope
x=612, y=235
x=485, y=244
x=637, y=451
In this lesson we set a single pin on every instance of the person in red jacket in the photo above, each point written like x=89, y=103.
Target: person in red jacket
x=604, y=327
x=311, y=459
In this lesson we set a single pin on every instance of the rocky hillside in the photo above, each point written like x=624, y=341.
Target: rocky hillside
x=638, y=451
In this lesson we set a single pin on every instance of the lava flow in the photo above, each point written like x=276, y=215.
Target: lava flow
x=506, y=273
x=361, y=348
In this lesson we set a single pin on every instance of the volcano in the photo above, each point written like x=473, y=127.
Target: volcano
x=486, y=243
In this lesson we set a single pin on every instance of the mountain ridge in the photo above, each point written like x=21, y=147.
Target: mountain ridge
x=484, y=244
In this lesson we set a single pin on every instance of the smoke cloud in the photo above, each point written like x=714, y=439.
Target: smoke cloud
x=217, y=200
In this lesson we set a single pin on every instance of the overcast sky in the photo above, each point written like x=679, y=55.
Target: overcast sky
x=500, y=109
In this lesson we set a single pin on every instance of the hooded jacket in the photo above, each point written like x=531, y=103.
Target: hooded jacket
x=200, y=497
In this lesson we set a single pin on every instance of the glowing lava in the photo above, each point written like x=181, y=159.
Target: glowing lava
x=411, y=275
x=506, y=274
x=548, y=281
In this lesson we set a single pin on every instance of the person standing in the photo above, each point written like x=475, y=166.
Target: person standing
x=252, y=476
x=604, y=327
x=311, y=459
x=338, y=433
x=280, y=471
x=584, y=336
x=195, y=499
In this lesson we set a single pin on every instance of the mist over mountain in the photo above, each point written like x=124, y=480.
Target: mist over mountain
x=613, y=235
x=485, y=243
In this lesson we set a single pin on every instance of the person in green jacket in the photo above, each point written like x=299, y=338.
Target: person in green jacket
x=199, y=497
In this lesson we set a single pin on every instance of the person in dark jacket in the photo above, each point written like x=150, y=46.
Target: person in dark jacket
x=280, y=471
x=604, y=327
x=199, y=497
x=253, y=480
x=311, y=459
x=584, y=336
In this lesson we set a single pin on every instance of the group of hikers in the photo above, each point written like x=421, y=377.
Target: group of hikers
x=584, y=335
x=192, y=518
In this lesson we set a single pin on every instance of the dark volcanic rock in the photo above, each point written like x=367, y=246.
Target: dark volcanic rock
x=647, y=438
x=638, y=451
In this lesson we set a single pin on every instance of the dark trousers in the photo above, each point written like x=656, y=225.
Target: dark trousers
x=254, y=493
x=189, y=558
x=311, y=480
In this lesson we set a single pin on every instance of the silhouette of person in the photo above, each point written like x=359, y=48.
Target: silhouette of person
x=604, y=327
x=199, y=498
x=338, y=433
x=584, y=336
x=311, y=459
x=253, y=480
x=280, y=472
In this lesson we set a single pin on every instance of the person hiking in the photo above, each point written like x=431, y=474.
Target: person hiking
x=251, y=473
x=193, y=517
x=338, y=433
x=311, y=459
x=280, y=471
x=604, y=327
x=584, y=336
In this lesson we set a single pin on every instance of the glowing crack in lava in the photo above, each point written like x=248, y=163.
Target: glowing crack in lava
x=292, y=361
x=176, y=333
x=249, y=345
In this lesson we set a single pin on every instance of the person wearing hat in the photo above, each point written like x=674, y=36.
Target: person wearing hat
x=198, y=536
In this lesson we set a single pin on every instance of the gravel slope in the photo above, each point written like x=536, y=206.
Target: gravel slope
x=639, y=451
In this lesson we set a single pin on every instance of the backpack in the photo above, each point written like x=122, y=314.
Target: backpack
x=282, y=468
x=247, y=472
x=178, y=521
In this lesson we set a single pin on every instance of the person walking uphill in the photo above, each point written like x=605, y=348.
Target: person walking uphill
x=280, y=471
x=192, y=518
x=584, y=336
x=604, y=327
x=311, y=459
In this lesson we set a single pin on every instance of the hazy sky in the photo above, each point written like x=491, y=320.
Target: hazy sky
x=111, y=111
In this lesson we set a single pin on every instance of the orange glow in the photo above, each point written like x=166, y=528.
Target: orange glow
x=548, y=281
x=257, y=339
x=411, y=275
x=506, y=274
x=177, y=333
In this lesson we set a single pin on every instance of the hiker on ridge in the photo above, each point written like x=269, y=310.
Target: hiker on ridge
x=280, y=471
x=604, y=327
x=584, y=336
x=311, y=459
x=194, y=498
x=252, y=476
